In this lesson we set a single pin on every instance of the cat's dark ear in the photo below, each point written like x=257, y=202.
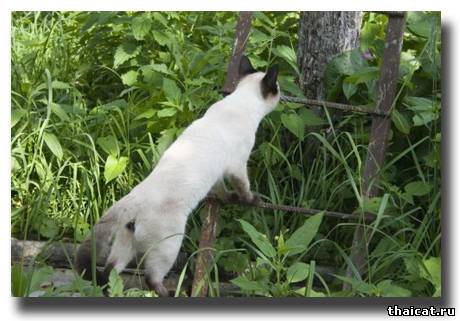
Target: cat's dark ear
x=245, y=67
x=269, y=82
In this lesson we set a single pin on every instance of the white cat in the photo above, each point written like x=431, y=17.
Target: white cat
x=151, y=219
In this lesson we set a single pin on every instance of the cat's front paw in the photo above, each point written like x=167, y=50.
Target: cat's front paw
x=252, y=198
x=256, y=198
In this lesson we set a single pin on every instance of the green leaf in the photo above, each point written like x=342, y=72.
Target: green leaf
x=432, y=273
x=146, y=114
x=349, y=88
x=56, y=84
x=124, y=52
x=294, y=124
x=424, y=118
x=313, y=293
x=53, y=144
x=421, y=23
x=418, y=104
x=16, y=116
x=160, y=68
x=171, y=89
x=167, y=137
x=141, y=26
x=115, y=284
x=259, y=239
x=109, y=144
x=288, y=54
x=301, y=238
x=387, y=288
x=114, y=167
x=59, y=111
x=348, y=62
x=417, y=188
x=166, y=112
x=129, y=78
x=247, y=285
x=160, y=37
x=358, y=285
x=297, y=272
x=309, y=118
x=401, y=122
x=38, y=277
x=48, y=227
x=288, y=84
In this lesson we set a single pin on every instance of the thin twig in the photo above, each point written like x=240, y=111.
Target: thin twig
x=329, y=104
x=292, y=209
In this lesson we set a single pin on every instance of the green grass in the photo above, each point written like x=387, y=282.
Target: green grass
x=95, y=101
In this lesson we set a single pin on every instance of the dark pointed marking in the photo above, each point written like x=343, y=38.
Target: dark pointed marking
x=269, y=84
x=130, y=225
x=245, y=67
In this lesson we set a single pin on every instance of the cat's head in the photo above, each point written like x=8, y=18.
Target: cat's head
x=265, y=84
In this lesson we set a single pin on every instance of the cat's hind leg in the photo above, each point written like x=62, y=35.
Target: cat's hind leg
x=159, y=260
x=122, y=252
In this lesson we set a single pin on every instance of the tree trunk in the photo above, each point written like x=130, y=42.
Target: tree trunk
x=322, y=35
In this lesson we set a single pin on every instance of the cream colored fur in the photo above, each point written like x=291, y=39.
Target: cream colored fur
x=215, y=146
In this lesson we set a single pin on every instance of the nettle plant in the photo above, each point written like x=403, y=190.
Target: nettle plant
x=278, y=268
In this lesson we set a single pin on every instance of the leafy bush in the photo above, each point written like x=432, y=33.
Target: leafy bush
x=98, y=96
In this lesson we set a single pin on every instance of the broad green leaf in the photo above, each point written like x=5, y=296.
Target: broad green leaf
x=167, y=137
x=408, y=65
x=348, y=62
x=401, y=122
x=369, y=33
x=129, y=78
x=166, y=112
x=349, y=88
x=38, y=277
x=297, y=272
x=16, y=116
x=421, y=23
x=417, y=188
x=59, y=111
x=313, y=293
x=370, y=205
x=309, y=118
x=171, y=89
x=432, y=273
x=115, y=284
x=146, y=114
x=288, y=54
x=288, y=84
x=114, y=167
x=247, y=285
x=56, y=84
x=424, y=118
x=160, y=68
x=259, y=239
x=48, y=227
x=109, y=144
x=301, y=238
x=387, y=288
x=294, y=124
x=124, y=52
x=419, y=104
x=161, y=37
x=53, y=144
x=141, y=26
x=358, y=285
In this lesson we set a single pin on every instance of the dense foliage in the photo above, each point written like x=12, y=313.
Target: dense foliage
x=97, y=97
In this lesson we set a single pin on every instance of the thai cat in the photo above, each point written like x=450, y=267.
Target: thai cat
x=152, y=218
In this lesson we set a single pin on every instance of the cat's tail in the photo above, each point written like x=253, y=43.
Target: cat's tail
x=99, y=240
